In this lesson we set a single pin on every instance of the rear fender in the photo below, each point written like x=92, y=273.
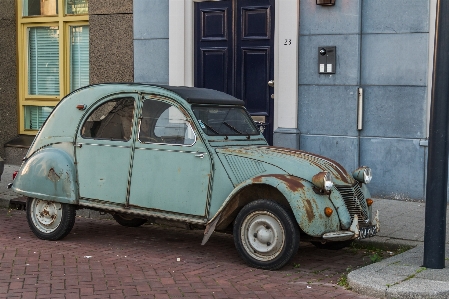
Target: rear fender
x=48, y=174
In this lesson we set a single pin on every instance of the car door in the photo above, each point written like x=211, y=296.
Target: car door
x=103, y=149
x=171, y=168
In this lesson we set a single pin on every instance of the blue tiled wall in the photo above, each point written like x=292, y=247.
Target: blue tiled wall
x=151, y=41
x=382, y=46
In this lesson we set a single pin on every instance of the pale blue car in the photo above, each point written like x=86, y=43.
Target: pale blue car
x=190, y=155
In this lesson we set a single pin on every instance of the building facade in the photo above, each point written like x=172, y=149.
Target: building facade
x=350, y=81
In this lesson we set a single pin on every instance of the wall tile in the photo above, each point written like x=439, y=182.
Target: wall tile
x=395, y=111
x=347, y=59
x=286, y=137
x=151, y=61
x=103, y=7
x=339, y=148
x=395, y=16
x=111, y=48
x=343, y=18
x=8, y=11
x=150, y=19
x=8, y=75
x=395, y=59
x=398, y=167
x=327, y=110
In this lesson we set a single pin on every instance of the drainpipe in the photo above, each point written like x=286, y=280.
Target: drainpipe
x=359, y=88
x=437, y=166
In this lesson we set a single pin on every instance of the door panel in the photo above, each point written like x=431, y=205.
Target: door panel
x=103, y=151
x=171, y=169
x=214, y=62
x=99, y=177
x=255, y=21
x=213, y=46
x=215, y=24
x=234, y=42
x=170, y=180
x=255, y=72
x=255, y=60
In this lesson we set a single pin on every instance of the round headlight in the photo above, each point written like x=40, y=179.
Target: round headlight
x=323, y=180
x=363, y=174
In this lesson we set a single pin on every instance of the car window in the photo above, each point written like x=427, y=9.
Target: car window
x=111, y=120
x=164, y=123
x=224, y=121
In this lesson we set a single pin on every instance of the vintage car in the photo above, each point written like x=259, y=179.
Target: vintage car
x=190, y=155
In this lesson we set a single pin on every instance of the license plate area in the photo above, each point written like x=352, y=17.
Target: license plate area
x=367, y=231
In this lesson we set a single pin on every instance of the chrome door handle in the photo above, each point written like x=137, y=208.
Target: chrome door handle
x=201, y=156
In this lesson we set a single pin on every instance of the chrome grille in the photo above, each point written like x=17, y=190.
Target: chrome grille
x=355, y=202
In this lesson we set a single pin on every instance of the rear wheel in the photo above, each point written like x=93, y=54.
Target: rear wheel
x=128, y=220
x=50, y=220
x=266, y=235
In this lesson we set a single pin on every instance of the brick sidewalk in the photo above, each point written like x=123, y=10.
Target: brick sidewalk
x=101, y=259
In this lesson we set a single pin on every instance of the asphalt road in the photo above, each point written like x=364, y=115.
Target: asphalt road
x=101, y=259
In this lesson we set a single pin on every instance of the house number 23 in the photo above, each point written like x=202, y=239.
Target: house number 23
x=287, y=42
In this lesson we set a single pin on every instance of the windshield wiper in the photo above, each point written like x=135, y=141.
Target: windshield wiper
x=232, y=128
x=209, y=127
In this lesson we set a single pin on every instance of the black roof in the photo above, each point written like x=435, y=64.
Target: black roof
x=196, y=95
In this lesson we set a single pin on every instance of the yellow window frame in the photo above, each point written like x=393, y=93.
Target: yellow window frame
x=63, y=22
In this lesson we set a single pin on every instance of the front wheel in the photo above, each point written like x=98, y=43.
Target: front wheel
x=50, y=220
x=266, y=235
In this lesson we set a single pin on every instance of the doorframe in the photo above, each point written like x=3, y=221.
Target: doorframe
x=181, y=55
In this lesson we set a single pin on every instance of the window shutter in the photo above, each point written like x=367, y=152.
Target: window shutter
x=43, y=71
x=79, y=58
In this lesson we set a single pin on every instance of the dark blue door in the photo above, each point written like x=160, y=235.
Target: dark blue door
x=234, y=42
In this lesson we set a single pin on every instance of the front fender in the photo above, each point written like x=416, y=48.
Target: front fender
x=307, y=206
x=48, y=174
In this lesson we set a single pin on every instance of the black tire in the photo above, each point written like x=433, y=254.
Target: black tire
x=333, y=245
x=266, y=223
x=50, y=220
x=128, y=220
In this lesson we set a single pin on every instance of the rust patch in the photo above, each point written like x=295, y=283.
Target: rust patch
x=53, y=176
x=293, y=184
x=258, y=179
x=309, y=210
x=234, y=151
x=340, y=171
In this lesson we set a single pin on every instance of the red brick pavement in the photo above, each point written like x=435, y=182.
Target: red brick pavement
x=101, y=259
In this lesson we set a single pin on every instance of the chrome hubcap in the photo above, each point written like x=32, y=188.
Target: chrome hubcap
x=263, y=235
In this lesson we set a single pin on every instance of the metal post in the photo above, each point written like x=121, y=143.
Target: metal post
x=437, y=168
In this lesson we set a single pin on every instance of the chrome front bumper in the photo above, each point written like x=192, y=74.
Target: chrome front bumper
x=355, y=231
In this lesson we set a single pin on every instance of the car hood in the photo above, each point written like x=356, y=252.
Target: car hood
x=294, y=162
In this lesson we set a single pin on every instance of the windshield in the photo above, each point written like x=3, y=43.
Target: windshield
x=224, y=121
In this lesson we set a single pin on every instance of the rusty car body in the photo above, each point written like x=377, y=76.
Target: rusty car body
x=190, y=155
